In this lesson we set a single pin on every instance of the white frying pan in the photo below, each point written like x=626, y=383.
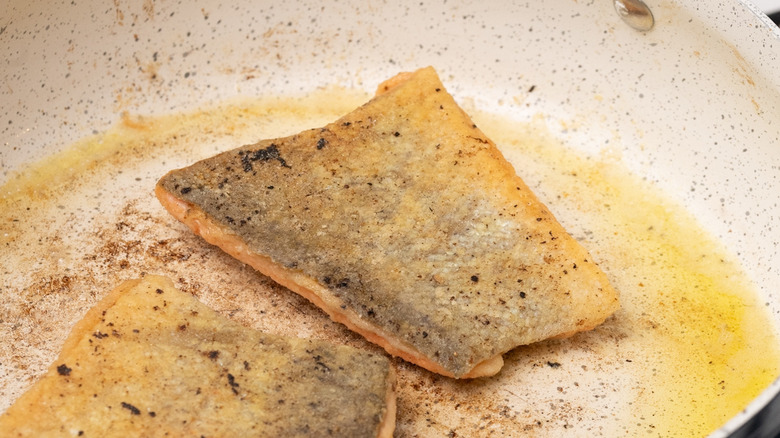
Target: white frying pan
x=692, y=106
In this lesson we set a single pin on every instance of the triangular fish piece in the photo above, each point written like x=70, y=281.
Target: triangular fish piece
x=403, y=221
x=149, y=360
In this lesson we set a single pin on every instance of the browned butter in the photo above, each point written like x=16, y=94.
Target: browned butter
x=690, y=347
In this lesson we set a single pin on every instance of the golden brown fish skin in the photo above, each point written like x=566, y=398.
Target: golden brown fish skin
x=404, y=220
x=200, y=223
x=149, y=360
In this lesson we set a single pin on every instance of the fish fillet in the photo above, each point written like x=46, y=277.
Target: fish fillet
x=404, y=222
x=149, y=360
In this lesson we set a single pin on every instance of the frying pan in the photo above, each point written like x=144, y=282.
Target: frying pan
x=691, y=106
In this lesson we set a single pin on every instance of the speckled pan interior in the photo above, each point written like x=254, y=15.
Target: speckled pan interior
x=693, y=105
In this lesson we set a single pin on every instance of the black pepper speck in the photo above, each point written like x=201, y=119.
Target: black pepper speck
x=64, y=370
x=133, y=410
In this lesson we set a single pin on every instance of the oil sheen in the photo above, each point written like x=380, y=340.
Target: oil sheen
x=690, y=347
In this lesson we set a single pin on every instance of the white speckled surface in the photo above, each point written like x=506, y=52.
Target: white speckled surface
x=693, y=105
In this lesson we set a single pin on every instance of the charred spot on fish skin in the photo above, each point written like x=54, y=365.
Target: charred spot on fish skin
x=321, y=366
x=266, y=154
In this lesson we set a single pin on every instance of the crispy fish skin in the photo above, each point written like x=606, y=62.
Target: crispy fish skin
x=149, y=360
x=403, y=221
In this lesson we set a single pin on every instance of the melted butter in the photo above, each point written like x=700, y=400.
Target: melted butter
x=691, y=331
x=707, y=347
x=134, y=137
